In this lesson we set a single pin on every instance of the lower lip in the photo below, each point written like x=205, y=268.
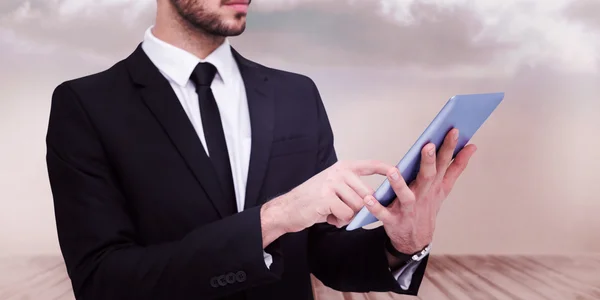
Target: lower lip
x=241, y=8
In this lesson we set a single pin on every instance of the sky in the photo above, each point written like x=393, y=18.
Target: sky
x=384, y=69
x=492, y=36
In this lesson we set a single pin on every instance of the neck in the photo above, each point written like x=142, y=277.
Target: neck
x=172, y=29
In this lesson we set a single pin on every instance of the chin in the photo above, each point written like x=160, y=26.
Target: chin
x=221, y=24
x=236, y=31
x=235, y=26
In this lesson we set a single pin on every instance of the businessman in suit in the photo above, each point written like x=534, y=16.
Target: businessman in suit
x=186, y=171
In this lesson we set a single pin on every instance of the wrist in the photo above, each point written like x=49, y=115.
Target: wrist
x=403, y=255
x=396, y=258
x=404, y=248
x=272, y=221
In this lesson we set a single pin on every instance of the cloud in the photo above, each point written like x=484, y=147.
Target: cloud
x=93, y=28
x=496, y=37
x=585, y=11
x=341, y=33
x=17, y=6
x=527, y=33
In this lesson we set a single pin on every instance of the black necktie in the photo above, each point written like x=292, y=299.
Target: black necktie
x=202, y=77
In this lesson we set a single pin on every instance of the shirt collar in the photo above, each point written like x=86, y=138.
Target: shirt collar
x=178, y=64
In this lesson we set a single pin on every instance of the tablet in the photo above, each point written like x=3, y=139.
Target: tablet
x=465, y=112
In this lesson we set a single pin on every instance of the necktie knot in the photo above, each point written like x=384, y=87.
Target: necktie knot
x=203, y=74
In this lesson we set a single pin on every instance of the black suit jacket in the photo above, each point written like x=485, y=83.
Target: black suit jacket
x=139, y=212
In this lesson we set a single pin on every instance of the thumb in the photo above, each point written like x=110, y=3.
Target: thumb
x=379, y=211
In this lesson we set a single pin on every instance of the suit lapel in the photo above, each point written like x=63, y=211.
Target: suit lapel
x=262, y=120
x=160, y=98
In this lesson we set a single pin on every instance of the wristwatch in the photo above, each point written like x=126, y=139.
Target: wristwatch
x=417, y=256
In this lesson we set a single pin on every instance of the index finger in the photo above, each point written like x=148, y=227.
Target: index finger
x=370, y=167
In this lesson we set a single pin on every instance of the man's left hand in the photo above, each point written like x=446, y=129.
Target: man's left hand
x=410, y=219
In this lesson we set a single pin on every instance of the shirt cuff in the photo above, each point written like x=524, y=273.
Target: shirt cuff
x=268, y=259
x=405, y=274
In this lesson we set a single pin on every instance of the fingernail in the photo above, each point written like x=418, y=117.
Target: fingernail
x=395, y=175
x=431, y=151
x=456, y=135
x=370, y=201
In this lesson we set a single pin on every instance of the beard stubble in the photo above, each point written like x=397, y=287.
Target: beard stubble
x=196, y=16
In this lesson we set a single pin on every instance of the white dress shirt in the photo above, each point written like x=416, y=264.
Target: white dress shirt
x=177, y=65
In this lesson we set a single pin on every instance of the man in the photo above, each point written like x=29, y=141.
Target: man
x=186, y=171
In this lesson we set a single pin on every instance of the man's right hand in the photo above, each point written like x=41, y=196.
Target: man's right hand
x=334, y=196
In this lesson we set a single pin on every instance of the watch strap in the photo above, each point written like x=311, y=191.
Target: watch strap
x=417, y=256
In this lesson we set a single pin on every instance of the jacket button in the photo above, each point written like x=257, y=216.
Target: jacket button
x=230, y=278
x=240, y=276
x=214, y=283
x=221, y=280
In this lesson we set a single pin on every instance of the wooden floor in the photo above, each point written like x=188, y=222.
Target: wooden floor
x=447, y=277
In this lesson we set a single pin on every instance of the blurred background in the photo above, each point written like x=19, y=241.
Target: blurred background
x=384, y=69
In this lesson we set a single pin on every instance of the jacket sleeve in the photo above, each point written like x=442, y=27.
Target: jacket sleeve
x=103, y=256
x=351, y=261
